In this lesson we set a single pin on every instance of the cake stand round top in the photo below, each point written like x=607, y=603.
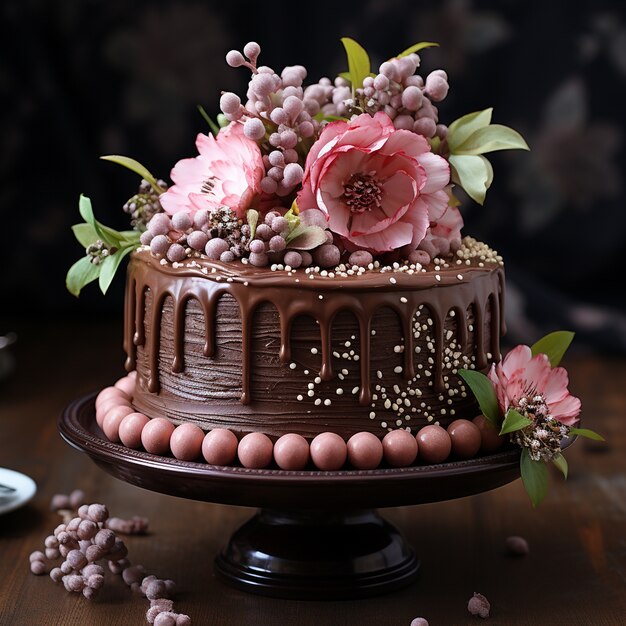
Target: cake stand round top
x=346, y=489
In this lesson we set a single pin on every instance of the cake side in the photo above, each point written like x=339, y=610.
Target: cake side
x=251, y=349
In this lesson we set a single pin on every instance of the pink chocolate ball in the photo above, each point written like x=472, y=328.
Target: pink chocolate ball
x=328, y=451
x=365, y=450
x=186, y=442
x=255, y=451
x=465, y=438
x=156, y=434
x=434, y=444
x=291, y=452
x=113, y=419
x=111, y=393
x=127, y=385
x=400, y=448
x=490, y=439
x=219, y=447
x=130, y=429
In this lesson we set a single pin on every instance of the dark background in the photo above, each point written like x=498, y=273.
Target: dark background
x=84, y=78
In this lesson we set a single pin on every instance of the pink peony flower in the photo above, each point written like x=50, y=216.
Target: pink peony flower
x=227, y=172
x=522, y=380
x=379, y=187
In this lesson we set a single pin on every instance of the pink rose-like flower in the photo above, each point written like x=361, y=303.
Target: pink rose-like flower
x=521, y=378
x=444, y=235
x=380, y=187
x=227, y=172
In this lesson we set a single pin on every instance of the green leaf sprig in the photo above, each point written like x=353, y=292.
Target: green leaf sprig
x=134, y=166
x=471, y=136
x=119, y=244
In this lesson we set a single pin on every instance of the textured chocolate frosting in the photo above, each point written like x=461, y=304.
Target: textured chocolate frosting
x=251, y=349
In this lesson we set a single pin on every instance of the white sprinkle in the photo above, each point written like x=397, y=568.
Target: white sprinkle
x=310, y=393
x=327, y=402
x=392, y=280
x=355, y=390
x=372, y=415
x=459, y=276
x=292, y=366
x=373, y=333
x=313, y=350
x=299, y=398
x=437, y=277
x=321, y=297
x=397, y=369
x=339, y=391
x=318, y=401
x=403, y=300
x=318, y=380
x=383, y=424
x=387, y=404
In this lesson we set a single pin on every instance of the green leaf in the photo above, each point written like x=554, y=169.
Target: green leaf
x=358, y=62
x=485, y=394
x=472, y=174
x=129, y=238
x=85, y=234
x=212, y=125
x=491, y=138
x=514, y=421
x=462, y=128
x=80, y=274
x=561, y=464
x=345, y=76
x=554, y=345
x=489, y=169
x=252, y=217
x=534, y=477
x=306, y=237
x=585, y=432
x=417, y=47
x=109, y=267
x=86, y=212
x=134, y=166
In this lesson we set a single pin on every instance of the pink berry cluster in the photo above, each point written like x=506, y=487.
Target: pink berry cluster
x=278, y=114
x=327, y=451
x=88, y=537
x=218, y=234
x=405, y=96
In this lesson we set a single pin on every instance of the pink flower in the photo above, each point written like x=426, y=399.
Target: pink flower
x=522, y=379
x=380, y=187
x=227, y=172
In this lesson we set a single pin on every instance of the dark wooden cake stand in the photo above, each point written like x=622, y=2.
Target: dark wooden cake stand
x=317, y=535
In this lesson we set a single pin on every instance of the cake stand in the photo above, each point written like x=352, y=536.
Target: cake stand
x=317, y=535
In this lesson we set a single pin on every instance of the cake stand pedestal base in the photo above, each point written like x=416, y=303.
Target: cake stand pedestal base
x=317, y=555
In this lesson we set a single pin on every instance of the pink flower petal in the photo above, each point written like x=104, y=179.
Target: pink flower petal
x=398, y=191
x=437, y=172
x=566, y=410
x=515, y=360
x=393, y=237
x=555, y=388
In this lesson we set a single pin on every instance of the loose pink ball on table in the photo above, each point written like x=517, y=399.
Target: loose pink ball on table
x=156, y=434
x=399, y=448
x=186, y=442
x=365, y=450
x=219, y=447
x=130, y=429
x=490, y=439
x=465, y=438
x=434, y=444
x=255, y=451
x=291, y=452
x=113, y=419
x=328, y=451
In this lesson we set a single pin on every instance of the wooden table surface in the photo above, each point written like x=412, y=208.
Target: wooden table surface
x=575, y=572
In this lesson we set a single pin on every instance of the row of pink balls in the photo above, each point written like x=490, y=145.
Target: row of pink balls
x=327, y=451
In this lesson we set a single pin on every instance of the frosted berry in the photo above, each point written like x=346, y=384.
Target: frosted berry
x=257, y=246
x=258, y=260
x=264, y=232
x=160, y=224
x=227, y=257
x=327, y=255
x=159, y=245
x=279, y=224
x=197, y=240
x=146, y=238
x=176, y=253
x=362, y=258
x=254, y=129
x=181, y=221
x=277, y=243
x=479, y=605
x=234, y=58
x=215, y=247
x=293, y=259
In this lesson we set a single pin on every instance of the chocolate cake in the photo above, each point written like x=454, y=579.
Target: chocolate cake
x=251, y=349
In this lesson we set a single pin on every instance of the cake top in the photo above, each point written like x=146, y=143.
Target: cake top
x=356, y=173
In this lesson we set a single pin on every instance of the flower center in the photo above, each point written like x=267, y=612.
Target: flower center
x=207, y=185
x=362, y=192
x=533, y=406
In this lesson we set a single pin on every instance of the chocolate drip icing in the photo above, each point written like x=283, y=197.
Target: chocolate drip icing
x=468, y=308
